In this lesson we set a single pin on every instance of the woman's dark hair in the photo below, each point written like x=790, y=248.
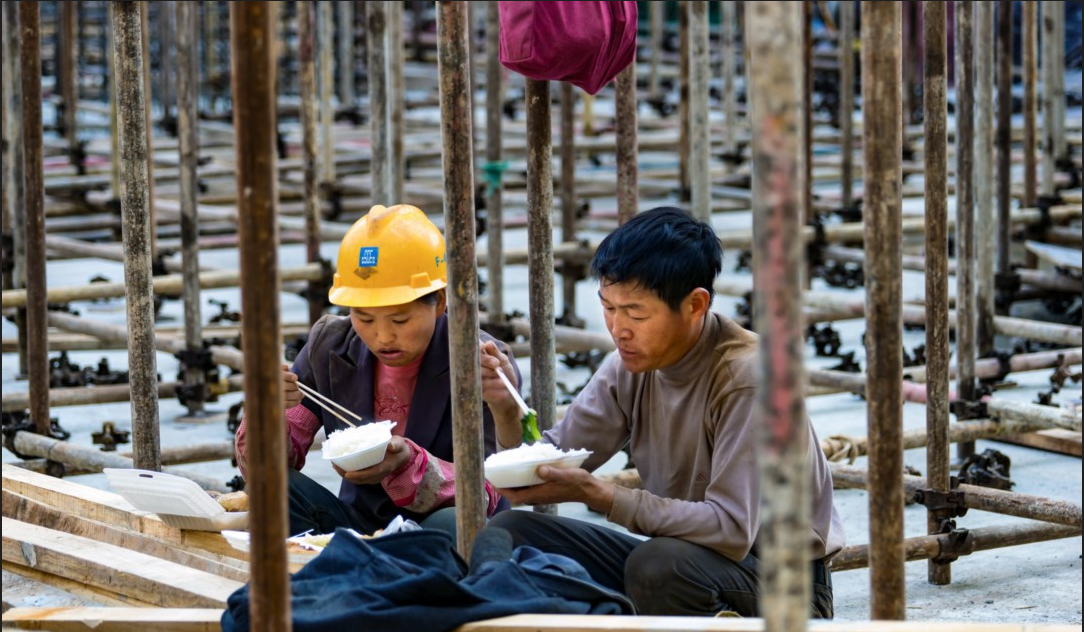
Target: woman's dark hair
x=665, y=250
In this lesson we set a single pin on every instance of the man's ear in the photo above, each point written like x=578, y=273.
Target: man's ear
x=442, y=301
x=698, y=302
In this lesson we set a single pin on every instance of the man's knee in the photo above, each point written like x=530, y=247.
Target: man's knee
x=521, y=524
x=667, y=576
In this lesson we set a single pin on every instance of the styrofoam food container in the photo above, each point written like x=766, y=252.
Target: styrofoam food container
x=524, y=474
x=178, y=501
x=367, y=456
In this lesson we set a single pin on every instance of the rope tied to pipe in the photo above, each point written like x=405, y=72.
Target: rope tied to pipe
x=838, y=448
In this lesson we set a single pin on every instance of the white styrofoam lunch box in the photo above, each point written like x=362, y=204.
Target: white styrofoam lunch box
x=179, y=502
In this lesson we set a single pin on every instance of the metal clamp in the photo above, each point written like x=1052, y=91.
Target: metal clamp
x=965, y=410
x=950, y=504
x=958, y=542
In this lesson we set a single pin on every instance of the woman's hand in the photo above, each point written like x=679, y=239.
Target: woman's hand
x=506, y=412
x=292, y=395
x=396, y=456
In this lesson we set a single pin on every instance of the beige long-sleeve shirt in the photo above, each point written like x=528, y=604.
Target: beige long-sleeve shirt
x=691, y=430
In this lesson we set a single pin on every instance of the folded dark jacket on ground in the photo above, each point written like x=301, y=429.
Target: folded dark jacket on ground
x=416, y=581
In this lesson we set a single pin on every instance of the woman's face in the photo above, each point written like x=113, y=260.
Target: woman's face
x=398, y=334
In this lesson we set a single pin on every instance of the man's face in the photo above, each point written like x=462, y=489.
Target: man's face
x=648, y=334
x=397, y=334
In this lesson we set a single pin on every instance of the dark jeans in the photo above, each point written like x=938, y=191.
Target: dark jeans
x=662, y=576
x=314, y=507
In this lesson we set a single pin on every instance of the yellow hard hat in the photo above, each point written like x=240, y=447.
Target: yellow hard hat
x=391, y=256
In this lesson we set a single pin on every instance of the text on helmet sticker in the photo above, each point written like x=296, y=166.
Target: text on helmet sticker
x=367, y=257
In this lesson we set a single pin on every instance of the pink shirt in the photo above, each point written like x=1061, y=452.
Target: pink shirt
x=393, y=388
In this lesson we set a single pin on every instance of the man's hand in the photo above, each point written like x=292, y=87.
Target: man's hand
x=396, y=456
x=564, y=485
x=506, y=413
x=290, y=392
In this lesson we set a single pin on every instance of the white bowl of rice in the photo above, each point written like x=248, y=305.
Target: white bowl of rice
x=518, y=468
x=358, y=447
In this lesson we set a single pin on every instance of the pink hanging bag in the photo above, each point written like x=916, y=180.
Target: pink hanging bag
x=584, y=43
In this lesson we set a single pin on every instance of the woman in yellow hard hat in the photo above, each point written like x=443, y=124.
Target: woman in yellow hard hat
x=388, y=360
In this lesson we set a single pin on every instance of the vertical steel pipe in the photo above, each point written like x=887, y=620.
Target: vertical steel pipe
x=1061, y=147
x=14, y=184
x=882, y=146
x=128, y=27
x=628, y=192
x=1004, y=137
x=777, y=96
x=935, y=113
x=570, y=270
x=396, y=161
x=494, y=188
x=684, y=190
x=699, y=126
x=144, y=12
x=656, y=16
x=327, y=108
x=985, y=219
x=114, y=132
x=1030, y=59
x=730, y=91
x=966, y=160
x=67, y=76
x=34, y=187
x=846, y=100
x=540, y=250
x=1049, y=52
x=210, y=48
x=165, y=63
x=306, y=36
x=378, y=101
x=188, y=138
x=252, y=43
x=453, y=67
x=345, y=11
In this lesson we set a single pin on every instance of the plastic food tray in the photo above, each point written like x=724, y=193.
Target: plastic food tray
x=179, y=502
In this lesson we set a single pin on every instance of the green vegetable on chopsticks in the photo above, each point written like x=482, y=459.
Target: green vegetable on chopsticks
x=530, y=427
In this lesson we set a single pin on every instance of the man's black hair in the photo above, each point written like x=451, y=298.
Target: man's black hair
x=665, y=250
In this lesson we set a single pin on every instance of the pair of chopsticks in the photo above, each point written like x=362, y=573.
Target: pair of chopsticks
x=515, y=394
x=327, y=404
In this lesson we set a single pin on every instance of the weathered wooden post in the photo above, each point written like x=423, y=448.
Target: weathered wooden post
x=144, y=12
x=252, y=41
x=114, y=132
x=453, y=67
x=306, y=35
x=494, y=188
x=730, y=91
x=345, y=11
x=628, y=192
x=570, y=271
x=655, y=15
x=68, y=79
x=188, y=138
x=37, y=347
x=846, y=101
x=935, y=113
x=966, y=159
x=166, y=77
x=378, y=101
x=396, y=160
x=1004, y=145
x=540, y=251
x=1050, y=99
x=684, y=113
x=882, y=205
x=128, y=26
x=14, y=165
x=777, y=96
x=327, y=108
x=1031, y=70
x=699, y=127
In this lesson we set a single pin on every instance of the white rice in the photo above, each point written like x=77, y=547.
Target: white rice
x=351, y=440
x=528, y=453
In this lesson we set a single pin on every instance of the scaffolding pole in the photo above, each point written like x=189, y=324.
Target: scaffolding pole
x=699, y=127
x=882, y=147
x=327, y=108
x=846, y=101
x=306, y=32
x=396, y=161
x=376, y=17
x=494, y=186
x=188, y=139
x=935, y=112
x=730, y=90
x=684, y=187
x=37, y=330
x=777, y=95
x=128, y=26
x=1030, y=58
x=345, y=10
x=14, y=183
x=570, y=270
x=628, y=192
x=252, y=45
x=985, y=218
x=1049, y=99
x=453, y=67
x=1004, y=142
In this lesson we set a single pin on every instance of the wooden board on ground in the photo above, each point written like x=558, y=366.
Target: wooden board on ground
x=1058, y=256
x=115, y=619
x=112, y=568
x=1053, y=440
x=207, y=620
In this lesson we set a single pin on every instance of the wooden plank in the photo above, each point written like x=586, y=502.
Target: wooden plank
x=21, y=508
x=587, y=623
x=78, y=619
x=1059, y=256
x=128, y=573
x=111, y=509
x=114, y=619
x=1053, y=440
x=91, y=594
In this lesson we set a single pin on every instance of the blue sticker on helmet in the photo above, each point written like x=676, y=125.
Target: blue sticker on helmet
x=367, y=257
